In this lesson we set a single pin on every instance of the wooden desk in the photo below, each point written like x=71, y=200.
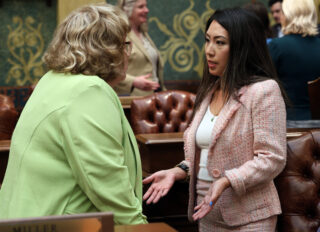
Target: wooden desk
x=163, y=151
x=5, y=145
x=4, y=156
x=152, y=227
x=126, y=105
x=160, y=151
x=126, y=101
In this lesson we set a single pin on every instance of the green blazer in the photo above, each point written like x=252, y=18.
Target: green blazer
x=139, y=64
x=73, y=151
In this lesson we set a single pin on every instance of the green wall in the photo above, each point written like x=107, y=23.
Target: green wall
x=176, y=26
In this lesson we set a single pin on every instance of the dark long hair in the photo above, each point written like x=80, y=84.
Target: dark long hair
x=262, y=12
x=249, y=59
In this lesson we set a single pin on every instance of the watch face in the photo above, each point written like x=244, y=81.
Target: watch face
x=183, y=166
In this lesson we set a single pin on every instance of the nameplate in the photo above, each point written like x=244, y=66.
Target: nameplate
x=89, y=222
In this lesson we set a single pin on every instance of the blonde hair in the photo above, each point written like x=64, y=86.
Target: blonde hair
x=91, y=41
x=300, y=17
x=127, y=6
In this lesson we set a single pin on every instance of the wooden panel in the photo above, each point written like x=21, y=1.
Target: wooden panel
x=160, y=151
x=185, y=85
x=126, y=100
x=65, y=7
x=160, y=138
x=4, y=156
x=86, y=222
x=126, y=105
x=152, y=227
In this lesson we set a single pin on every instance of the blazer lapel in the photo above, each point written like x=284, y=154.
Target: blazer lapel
x=226, y=114
x=155, y=47
x=224, y=117
x=138, y=43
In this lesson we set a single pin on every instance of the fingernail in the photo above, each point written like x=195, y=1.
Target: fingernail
x=211, y=203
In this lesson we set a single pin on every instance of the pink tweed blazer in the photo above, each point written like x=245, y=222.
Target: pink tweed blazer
x=248, y=147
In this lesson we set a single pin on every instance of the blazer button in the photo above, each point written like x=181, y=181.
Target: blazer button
x=216, y=173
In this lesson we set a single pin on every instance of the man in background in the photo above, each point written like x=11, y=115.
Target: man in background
x=276, y=11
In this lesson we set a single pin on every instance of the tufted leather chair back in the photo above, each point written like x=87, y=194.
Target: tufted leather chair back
x=299, y=185
x=8, y=117
x=162, y=112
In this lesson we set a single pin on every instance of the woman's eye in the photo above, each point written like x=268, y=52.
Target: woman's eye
x=207, y=40
x=219, y=42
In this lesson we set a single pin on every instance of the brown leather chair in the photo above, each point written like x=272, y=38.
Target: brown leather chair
x=8, y=117
x=299, y=185
x=314, y=96
x=162, y=112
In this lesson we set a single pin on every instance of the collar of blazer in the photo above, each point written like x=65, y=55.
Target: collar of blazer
x=226, y=113
x=138, y=43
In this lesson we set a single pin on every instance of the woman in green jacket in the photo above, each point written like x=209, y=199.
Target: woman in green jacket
x=73, y=150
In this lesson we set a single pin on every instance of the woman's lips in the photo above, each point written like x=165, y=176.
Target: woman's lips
x=212, y=65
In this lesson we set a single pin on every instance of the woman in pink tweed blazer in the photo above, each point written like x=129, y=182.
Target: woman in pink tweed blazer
x=233, y=162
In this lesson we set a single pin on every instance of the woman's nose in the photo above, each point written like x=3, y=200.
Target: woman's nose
x=210, y=50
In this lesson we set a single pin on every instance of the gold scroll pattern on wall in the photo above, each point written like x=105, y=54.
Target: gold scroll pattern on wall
x=26, y=44
x=181, y=50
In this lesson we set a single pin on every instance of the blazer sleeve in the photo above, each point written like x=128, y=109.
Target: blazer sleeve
x=269, y=140
x=125, y=86
x=93, y=135
x=186, y=146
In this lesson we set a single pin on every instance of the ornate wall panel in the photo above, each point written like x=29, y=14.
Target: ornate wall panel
x=26, y=28
x=176, y=26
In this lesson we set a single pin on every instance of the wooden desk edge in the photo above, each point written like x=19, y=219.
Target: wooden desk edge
x=126, y=100
x=151, y=227
x=159, y=138
x=5, y=145
x=177, y=137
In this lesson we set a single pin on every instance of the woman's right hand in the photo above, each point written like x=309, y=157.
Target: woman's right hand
x=162, y=181
x=142, y=82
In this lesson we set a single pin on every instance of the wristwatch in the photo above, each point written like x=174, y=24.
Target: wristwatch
x=183, y=166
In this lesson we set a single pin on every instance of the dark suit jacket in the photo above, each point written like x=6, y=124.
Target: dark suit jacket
x=297, y=60
x=275, y=30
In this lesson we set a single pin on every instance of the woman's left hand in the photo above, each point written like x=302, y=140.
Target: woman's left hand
x=213, y=195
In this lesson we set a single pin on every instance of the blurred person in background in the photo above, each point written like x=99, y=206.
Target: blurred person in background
x=145, y=68
x=276, y=11
x=296, y=55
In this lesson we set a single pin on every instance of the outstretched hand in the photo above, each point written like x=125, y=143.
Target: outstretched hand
x=162, y=182
x=143, y=83
x=211, y=198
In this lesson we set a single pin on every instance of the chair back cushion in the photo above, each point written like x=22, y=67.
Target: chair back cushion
x=162, y=112
x=299, y=185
